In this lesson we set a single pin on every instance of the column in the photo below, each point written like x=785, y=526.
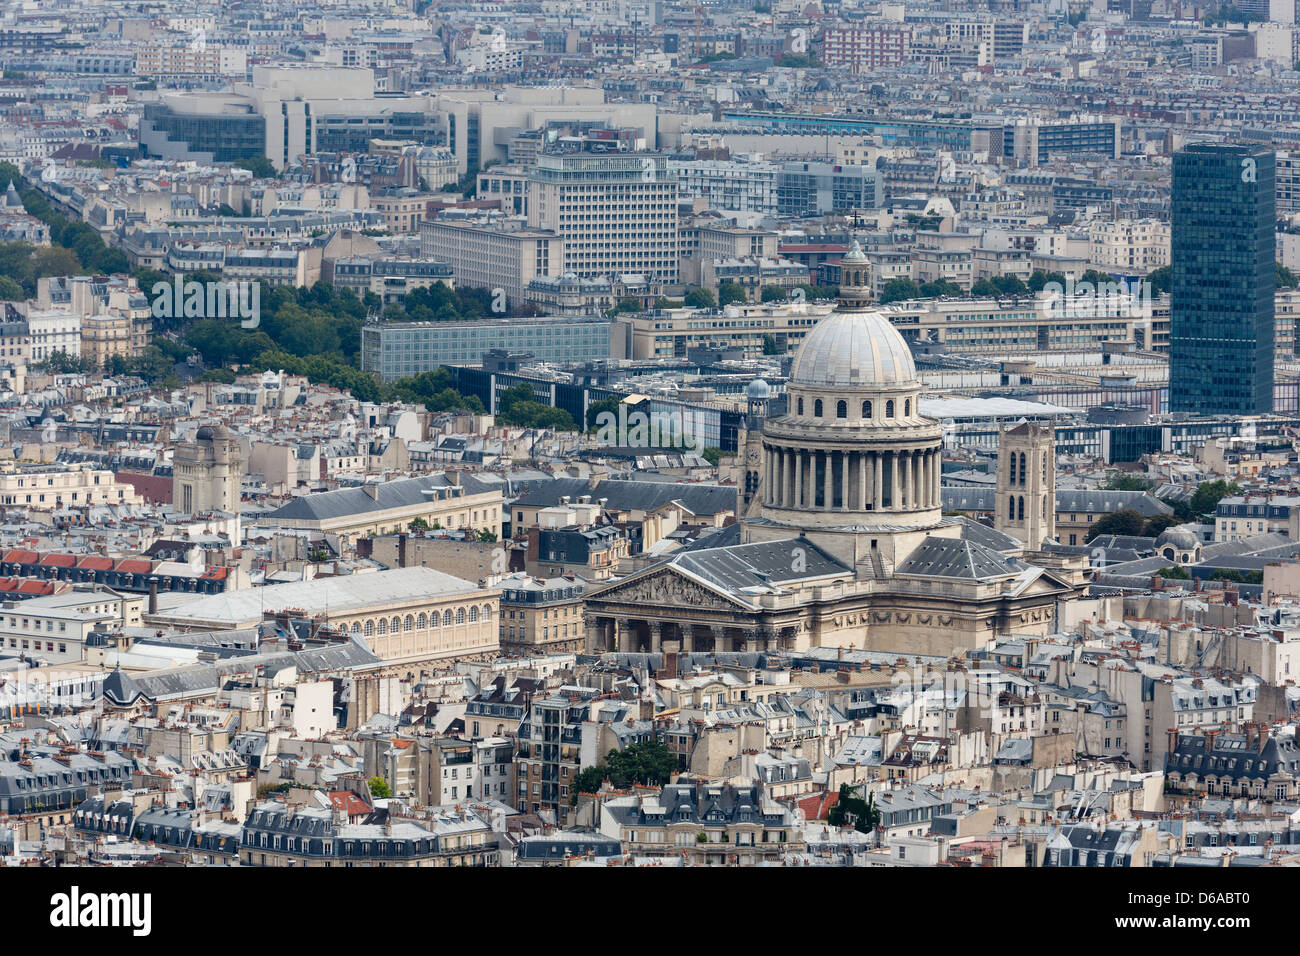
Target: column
x=893, y=481
x=862, y=481
x=796, y=461
x=844, y=481
x=828, y=480
x=917, y=491
x=877, y=481
x=720, y=640
x=656, y=637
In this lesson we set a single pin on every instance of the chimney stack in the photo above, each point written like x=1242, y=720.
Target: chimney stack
x=153, y=595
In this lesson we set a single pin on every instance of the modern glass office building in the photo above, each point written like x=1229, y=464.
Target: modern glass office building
x=396, y=349
x=1222, y=265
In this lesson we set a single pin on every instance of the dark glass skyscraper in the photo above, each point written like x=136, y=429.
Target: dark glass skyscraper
x=1222, y=278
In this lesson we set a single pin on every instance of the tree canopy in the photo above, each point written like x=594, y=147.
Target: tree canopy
x=647, y=762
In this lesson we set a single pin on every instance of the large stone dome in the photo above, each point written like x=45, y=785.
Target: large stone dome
x=853, y=349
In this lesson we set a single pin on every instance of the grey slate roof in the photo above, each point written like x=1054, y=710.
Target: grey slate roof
x=402, y=493
x=1078, y=500
x=195, y=679
x=948, y=558
x=759, y=563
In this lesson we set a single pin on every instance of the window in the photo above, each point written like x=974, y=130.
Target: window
x=841, y=409
x=473, y=615
x=801, y=406
x=1023, y=472
x=446, y=618
x=817, y=408
x=889, y=408
x=370, y=628
x=907, y=407
x=866, y=409
x=460, y=615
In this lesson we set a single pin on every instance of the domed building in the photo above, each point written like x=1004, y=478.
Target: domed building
x=842, y=540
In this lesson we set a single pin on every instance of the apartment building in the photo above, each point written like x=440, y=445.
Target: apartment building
x=50, y=489
x=866, y=47
x=541, y=615
x=1130, y=246
x=494, y=256
x=615, y=212
x=56, y=628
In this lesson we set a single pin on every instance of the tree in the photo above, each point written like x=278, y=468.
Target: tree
x=769, y=344
x=1040, y=279
x=1160, y=280
x=10, y=291
x=417, y=525
x=1118, y=481
x=379, y=788
x=940, y=287
x=647, y=762
x=1159, y=523
x=712, y=456
x=1176, y=573
x=596, y=409
x=1125, y=522
x=729, y=292
x=1285, y=278
x=773, y=293
x=259, y=166
x=699, y=299
x=862, y=814
x=1206, y=499
x=899, y=290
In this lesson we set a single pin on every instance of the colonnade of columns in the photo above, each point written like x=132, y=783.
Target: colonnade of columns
x=828, y=480
x=632, y=635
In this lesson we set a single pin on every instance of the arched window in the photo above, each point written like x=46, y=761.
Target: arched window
x=1022, y=508
x=408, y=623
x=383, y=626
x=801, y=405
x=356, y=627
x=841, y=409
x=487, y=612
x=1011, y=463
x=370, y=628
x=907, y=407
x=889, y=408
x=866, y=409
x=1044, y=468
x=1011, y=507
x=460, y=615
x=1043, y=508
x=446, y=618
x=395, y=625
x=473, y=615
x=1024, y=472
x=817, y=408
x=422, y=621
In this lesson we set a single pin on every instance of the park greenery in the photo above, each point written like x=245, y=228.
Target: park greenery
x=648, y=762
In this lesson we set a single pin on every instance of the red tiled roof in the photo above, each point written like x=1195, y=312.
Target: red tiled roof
x=96, y=562
x=22, y=556
x=56, y=560
x=349, y=802
x=36, y=587
x=134, y=566
x=215, y=574
x=817, y=805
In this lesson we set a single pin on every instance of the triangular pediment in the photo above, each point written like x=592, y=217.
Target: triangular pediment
x=666, y=587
